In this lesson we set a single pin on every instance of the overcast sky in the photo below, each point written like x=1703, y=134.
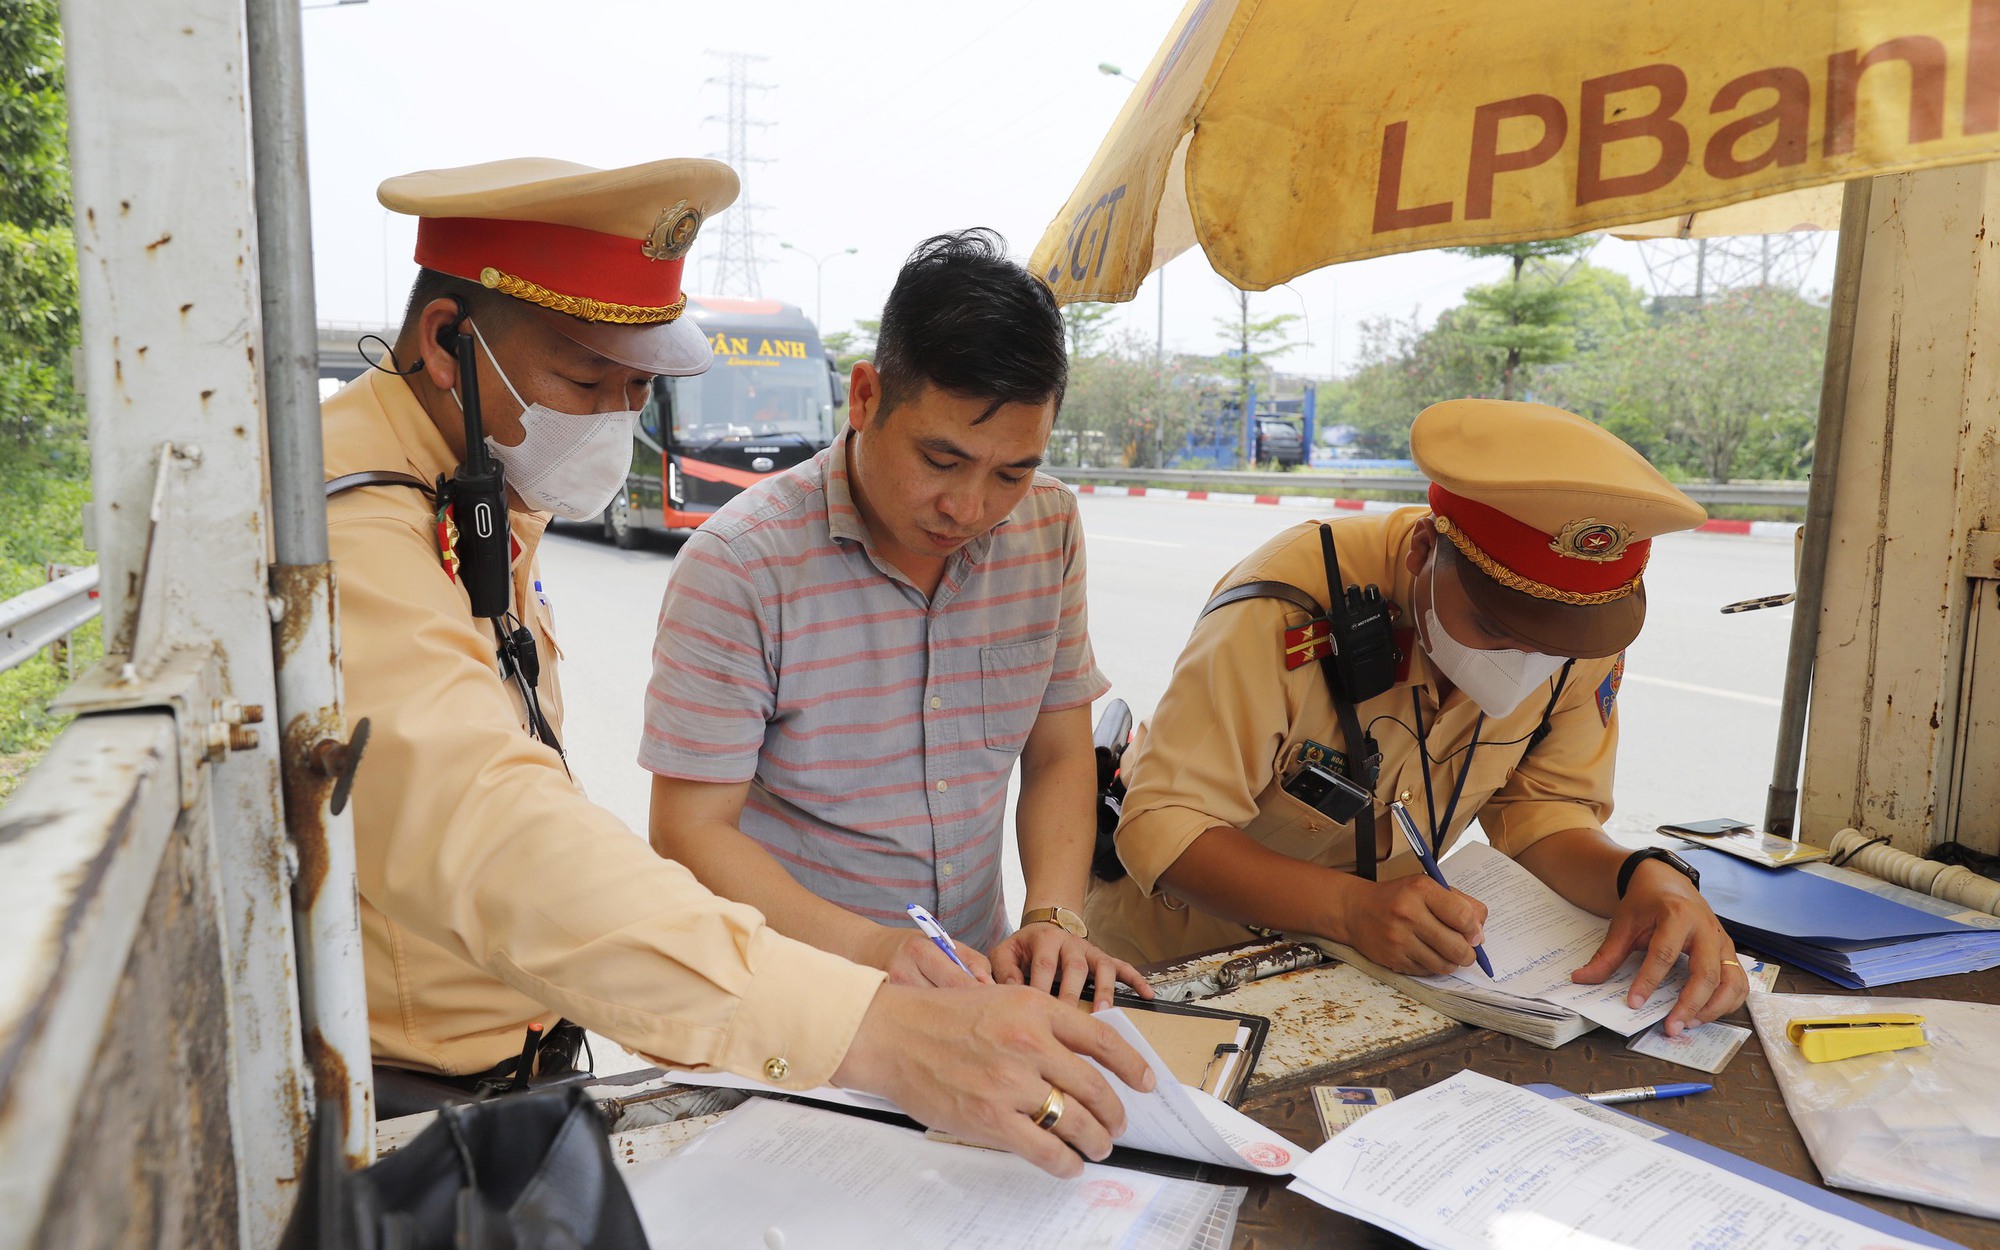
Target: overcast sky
x=889, y=120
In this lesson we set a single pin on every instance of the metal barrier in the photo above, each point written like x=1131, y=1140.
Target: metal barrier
x=1768, y=494
x=46, y=614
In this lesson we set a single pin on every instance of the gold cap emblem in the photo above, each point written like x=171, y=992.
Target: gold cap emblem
x=1591, y=539
x=673, y=234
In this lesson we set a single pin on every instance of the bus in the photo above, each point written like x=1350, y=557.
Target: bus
x=771, y=400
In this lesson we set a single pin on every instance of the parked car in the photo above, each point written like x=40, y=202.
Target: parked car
x=1280, y=441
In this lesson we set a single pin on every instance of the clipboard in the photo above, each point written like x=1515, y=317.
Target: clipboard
x=1229, y=1089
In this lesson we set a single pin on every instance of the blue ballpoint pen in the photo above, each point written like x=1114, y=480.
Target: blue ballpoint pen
x=1645, y=1093
x=1431, y=870
x=922, y=918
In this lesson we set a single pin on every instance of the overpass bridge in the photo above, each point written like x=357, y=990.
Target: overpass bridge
x=340, y=353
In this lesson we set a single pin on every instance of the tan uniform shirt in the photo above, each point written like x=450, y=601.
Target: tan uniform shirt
x=1233, y=720
x=493, y=893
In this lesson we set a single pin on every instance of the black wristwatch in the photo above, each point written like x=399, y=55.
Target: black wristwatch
x=1671, y=860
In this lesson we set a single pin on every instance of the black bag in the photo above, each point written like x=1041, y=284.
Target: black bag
x=527, y=1171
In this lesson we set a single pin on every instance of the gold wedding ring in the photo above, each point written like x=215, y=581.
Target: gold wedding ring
x=1052, y=1109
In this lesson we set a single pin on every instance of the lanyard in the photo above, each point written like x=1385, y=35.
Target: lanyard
x=1424, y=758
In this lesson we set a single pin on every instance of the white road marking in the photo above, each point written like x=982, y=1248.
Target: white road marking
x=1143, y=542
x=1759, y=699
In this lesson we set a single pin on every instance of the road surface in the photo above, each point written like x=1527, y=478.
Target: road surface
x=1699, y=709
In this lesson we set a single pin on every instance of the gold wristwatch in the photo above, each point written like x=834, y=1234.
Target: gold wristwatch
x=1061, y=917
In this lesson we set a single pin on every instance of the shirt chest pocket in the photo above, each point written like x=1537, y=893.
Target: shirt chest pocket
x=1013, y=677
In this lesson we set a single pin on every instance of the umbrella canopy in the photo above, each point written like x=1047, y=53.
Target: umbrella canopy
x=1286, y=135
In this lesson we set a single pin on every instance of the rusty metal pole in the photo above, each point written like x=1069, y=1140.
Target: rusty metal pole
x=1781, y=805
x=312, y=728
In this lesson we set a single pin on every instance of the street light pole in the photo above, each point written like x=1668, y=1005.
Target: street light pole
x=819, y=276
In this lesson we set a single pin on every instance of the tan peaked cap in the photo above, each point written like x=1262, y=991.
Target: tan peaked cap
x=598, y=254
x=1554, y=517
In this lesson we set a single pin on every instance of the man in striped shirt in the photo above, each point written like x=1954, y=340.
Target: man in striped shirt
x=853, y=655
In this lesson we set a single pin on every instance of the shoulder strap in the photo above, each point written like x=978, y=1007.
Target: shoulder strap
x=1265, y=590
x=377, y=477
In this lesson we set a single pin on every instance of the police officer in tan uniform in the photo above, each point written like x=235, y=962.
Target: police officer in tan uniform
x=496, y=899
x=1510, y=600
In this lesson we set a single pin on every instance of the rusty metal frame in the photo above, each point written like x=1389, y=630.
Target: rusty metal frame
x=168, y=271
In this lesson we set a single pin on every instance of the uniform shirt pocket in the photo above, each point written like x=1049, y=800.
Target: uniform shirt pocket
x=1013, y=677
x=1291, y=827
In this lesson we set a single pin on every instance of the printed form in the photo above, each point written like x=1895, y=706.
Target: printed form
x=780, y=1176
x=1475, y=1164
x=1536, y=938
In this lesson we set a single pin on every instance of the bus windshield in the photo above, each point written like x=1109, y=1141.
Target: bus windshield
x=761, y=387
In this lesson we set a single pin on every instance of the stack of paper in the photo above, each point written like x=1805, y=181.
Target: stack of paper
x=1535, y=939
x=1852, y=929
x=1174, y=1119
x=1921, y=1124
x=1474, y=1163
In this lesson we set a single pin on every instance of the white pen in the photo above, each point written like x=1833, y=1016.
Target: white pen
x=926, y=922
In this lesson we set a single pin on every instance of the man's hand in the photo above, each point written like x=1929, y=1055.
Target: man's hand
x=910, y=958
x=979, y=1062
x=1413, y=925
x=1663, y=912
x=1037, y=954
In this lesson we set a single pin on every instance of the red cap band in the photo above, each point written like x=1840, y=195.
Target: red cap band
x=568, y=260
x=1531, y=554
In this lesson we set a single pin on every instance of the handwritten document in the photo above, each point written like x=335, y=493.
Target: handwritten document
x=1473, y=1163
x=1536, y=938
x=780, y=1176
x=1190, y=1123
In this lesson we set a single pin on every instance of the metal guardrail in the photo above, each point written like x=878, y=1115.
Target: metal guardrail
x=1770, y=494
x=34, y=619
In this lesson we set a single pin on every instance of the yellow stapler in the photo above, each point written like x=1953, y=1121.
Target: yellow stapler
x=1826, y=1038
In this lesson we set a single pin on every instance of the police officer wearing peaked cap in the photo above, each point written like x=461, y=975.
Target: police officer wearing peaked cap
x=1509, y=601
x=494, y=895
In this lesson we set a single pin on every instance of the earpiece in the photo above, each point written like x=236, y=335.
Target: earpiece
x=447, y=335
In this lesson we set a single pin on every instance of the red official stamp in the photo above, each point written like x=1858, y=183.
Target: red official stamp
x=1108, y=1194
x=1264, y=1154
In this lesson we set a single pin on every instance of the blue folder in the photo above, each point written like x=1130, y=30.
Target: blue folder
x=1812, y=1195
x=1809, y=908
x=1849, y=936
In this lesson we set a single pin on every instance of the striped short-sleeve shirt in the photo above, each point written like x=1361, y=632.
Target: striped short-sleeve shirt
x=877, y=728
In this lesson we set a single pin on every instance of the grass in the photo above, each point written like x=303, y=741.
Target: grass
x=41, y=524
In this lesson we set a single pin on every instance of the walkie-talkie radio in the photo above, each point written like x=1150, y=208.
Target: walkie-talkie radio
x=1358, y=628
x=477, y=492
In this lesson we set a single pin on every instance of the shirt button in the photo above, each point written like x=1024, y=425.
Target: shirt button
x=775, y=1069
x=945, y=869
x=936, y=702
x=942, y=786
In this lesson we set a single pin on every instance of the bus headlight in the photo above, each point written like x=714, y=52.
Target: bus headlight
x=676, y=497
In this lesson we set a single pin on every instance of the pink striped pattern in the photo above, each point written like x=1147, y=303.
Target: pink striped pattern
x=790, y=657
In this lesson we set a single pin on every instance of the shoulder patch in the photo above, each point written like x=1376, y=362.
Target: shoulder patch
x=1607, y=690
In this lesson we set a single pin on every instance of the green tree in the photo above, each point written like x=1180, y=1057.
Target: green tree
x=852, y=346
x=1727, y=388
x=1252, y=342
x=1086, y=324
x=1526, y=319
x=1405, y=368
x=44, y=467
x=1124, y=408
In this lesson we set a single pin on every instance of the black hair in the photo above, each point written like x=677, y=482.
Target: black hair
x=477, y=300
x=964, y=318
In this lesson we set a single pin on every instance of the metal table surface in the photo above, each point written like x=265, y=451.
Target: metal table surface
x=1745, y=1114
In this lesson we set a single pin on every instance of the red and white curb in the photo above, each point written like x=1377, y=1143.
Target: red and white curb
x=1748, y=529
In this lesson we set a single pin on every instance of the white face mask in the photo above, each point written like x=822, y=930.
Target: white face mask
x=1496, y=680
x=568, y=464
